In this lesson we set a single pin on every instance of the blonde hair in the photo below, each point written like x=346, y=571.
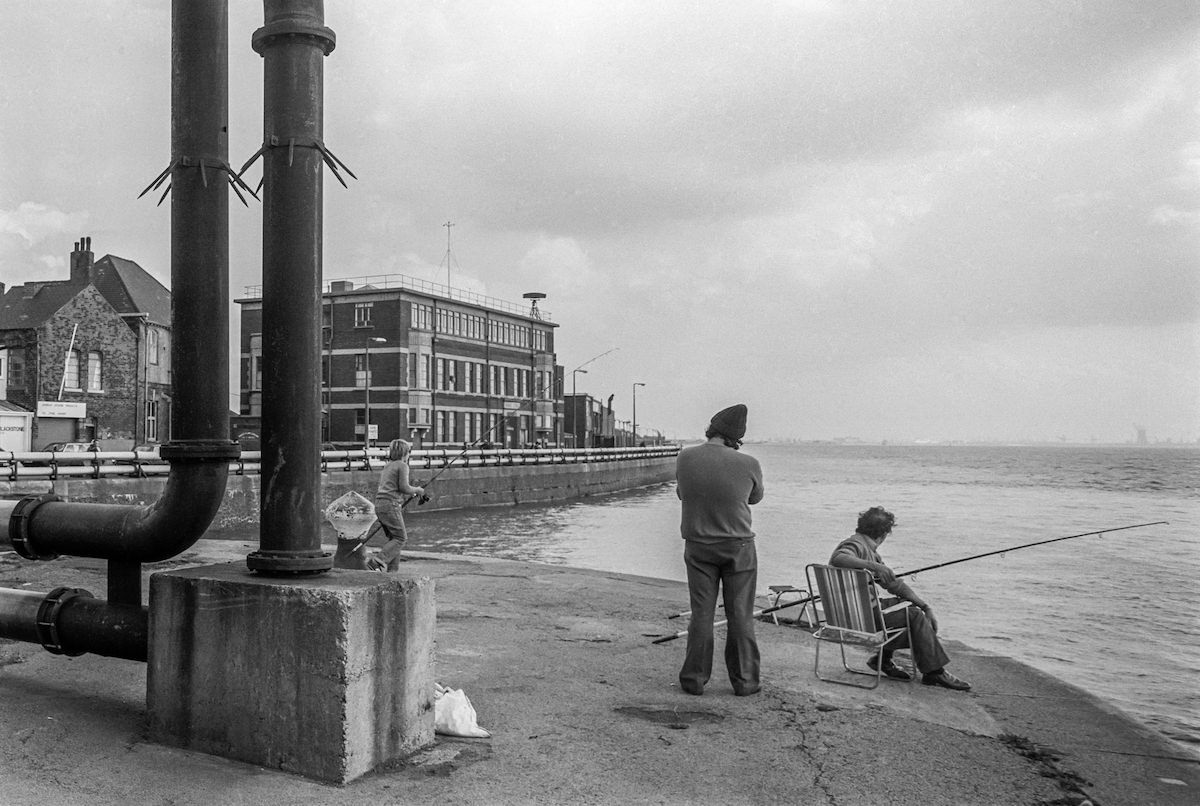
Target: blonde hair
x=399, y=449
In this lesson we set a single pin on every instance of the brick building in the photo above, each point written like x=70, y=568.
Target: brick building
x=432, y=364
x=86, y=358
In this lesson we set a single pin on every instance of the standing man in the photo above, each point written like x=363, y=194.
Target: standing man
x=861, y=550
x=717, y=485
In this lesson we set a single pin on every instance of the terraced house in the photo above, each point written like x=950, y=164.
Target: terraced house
x=86, y=358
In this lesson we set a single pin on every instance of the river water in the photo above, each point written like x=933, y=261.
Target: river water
x=1116, y=614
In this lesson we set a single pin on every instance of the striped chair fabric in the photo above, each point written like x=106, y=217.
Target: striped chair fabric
x=848, y=599
x=852, y=616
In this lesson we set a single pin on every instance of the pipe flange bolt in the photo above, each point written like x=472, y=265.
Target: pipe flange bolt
x=18, y=525
x=47, y=619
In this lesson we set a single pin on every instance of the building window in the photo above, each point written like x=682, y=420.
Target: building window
x=362, y=314
x=256, y=361
x=422, y=317
x=71, y=378
x=95, y=372
x=152, y=420
x=152, y=346
x=16, y=368
x=361, y=375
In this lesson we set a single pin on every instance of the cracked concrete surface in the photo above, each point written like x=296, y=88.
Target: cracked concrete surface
x=584, y=709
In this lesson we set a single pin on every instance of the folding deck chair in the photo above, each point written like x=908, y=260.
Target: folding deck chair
x=850, y=615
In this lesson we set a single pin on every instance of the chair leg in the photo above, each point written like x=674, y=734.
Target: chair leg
x=817, y=670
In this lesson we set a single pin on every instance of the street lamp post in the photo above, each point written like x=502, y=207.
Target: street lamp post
x=575, y=409
x=367, y=391
x=634, y=429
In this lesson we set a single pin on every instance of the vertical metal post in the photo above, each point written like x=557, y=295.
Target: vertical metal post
x=367, y=402
x=293, y=43
x=634, y=429
x=199, y=220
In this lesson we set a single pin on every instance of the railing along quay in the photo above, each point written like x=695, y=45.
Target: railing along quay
x=33, y=465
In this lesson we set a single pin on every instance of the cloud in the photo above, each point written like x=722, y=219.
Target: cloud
x=31, y=241
x=774, y=200
x=33, y=222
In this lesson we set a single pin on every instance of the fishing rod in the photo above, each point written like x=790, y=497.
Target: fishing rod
x=423, y=498
x=814, y=598
x=662, y=639
x=1028, y=545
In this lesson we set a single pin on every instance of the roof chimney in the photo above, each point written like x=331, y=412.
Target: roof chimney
x=82, y=261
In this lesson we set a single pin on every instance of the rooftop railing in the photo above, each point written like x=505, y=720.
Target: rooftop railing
x=403, y=281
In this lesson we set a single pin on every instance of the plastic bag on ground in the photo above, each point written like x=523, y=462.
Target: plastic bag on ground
x=453, y=714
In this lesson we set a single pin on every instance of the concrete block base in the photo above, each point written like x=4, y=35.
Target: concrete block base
x=326, y=676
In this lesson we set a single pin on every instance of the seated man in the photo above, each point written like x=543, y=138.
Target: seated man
x=862, y=551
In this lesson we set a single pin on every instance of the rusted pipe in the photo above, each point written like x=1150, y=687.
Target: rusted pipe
x=293, y=43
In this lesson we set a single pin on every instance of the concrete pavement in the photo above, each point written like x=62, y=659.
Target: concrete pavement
x=584, y=709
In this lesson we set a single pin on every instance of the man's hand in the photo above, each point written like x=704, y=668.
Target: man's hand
x=885, y=575
x=374, y=563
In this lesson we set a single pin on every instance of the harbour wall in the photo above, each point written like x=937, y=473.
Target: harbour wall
x=455, y=486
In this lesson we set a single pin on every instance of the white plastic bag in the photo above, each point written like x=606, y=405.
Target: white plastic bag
x=453, y=714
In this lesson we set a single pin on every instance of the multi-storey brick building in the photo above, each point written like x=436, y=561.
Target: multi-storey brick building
x=87, y=358
x=404, y=358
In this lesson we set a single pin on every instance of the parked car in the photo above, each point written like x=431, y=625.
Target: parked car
x=148, y=455
x=248, y=440
x=71, y=447
x=65, y=447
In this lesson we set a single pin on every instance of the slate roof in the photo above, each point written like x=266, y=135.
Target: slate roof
x=124, y=284
x=31, y=305
x=131, y=289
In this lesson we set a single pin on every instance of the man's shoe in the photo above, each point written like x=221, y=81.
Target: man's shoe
x=746, y=692
x=691, y=688
x=889, y=668
x=946, y=680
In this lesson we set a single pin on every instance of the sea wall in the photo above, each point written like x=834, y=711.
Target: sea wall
x=454, y=488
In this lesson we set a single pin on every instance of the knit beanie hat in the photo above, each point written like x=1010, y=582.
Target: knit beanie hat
x=730, y=422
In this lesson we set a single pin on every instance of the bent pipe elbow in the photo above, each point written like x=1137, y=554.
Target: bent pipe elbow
x=134, y=533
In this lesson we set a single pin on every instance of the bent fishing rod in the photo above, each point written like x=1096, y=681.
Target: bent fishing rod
x=423, y=498
x=814, y=598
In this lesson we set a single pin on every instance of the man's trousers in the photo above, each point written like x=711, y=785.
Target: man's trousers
x=731, y=565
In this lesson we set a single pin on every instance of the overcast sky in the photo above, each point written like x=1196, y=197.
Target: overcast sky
x=889, y=220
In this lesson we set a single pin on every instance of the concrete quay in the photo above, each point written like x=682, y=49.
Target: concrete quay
x=584, y=709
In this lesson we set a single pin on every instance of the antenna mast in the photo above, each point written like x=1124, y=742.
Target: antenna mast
x=448, y=225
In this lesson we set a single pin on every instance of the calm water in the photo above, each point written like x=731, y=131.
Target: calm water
x=1116, y=615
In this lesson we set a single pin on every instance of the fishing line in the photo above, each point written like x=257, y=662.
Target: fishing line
x=421, y=499
x=814, y=598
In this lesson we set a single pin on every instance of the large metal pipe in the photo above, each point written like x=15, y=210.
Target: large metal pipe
x=200, y=447
x=293, y=43
x=41, y=527
x=70, y=621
